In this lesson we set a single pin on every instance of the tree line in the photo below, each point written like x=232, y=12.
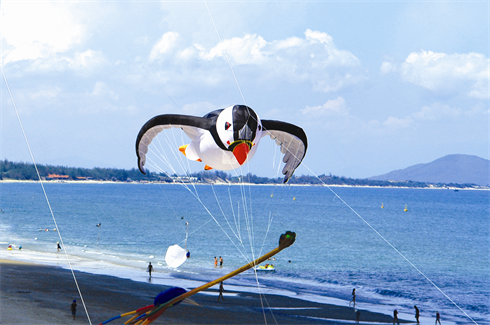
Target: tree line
x=26, y=171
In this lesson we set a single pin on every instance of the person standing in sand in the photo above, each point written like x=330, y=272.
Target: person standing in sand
x=221, y=290
x=149, y=269
x=417, y=314
x=353, y=297
x=395, y=317
x=73, y=308
x=438, y=318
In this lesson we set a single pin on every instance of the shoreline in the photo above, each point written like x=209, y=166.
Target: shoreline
x=98, y=182
x=49, y=290
x=47, y=286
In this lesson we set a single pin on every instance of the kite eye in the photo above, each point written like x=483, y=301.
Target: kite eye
x=227, y=125
x=260, y=127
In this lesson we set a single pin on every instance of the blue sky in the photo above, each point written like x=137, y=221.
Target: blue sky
x=377, y=86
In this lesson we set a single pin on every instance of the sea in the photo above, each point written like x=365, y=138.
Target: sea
x=398, y=247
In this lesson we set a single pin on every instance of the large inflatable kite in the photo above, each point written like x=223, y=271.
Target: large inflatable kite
x=226, y=139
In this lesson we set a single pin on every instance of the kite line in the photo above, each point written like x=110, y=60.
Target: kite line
x=45, y=195
x=336, y=195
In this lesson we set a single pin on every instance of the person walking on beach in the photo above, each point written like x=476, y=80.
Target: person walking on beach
x=358, y=316
x=221, y=290
x=149, y=269
x=438, y=318
x=395, y=317
x=220, y=261
x=353, y=297
x=58, y=247
x=73, y=308
x=417, y=314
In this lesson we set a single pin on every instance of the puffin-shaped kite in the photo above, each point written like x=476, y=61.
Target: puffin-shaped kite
x=227, y=138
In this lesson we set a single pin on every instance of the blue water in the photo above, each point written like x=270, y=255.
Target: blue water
x=444, y=234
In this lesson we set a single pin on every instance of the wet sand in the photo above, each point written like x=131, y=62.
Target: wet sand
x=39, y=294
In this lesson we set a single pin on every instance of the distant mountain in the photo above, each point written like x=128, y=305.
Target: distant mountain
x=458, y=169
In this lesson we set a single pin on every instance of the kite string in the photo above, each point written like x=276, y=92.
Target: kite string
x=203, y=205
x=247, y=211
x=162, y=156
x=355, y=212
x=45, y=194
x=249, y=229
x=391, y=245
x=381, y=236
x=224, y=215
x=370, y=226
x=237, y=226
x=249, y=216
x=226, y=54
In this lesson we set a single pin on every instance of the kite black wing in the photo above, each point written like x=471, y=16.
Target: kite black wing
x=292, y=140
x=190, y=125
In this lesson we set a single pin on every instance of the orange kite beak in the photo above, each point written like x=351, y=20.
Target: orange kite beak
x=241, y=152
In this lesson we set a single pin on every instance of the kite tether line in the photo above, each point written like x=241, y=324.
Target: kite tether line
x=392, y=246
x=45, y=194
x=345, y=203
x=250, y=230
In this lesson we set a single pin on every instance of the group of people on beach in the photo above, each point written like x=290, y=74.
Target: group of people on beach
x=395, y=312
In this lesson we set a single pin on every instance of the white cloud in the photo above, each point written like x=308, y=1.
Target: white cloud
x=164, y=45
x=314, y=59
x=440, y=72
x=247, y=50
x=38, y=29
x=332, y=107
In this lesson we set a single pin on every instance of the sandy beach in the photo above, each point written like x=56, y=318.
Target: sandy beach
x=39, y=294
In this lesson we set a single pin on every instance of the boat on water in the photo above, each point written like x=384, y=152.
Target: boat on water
x=266, y=268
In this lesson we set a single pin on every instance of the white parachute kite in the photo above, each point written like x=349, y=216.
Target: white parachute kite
x=176, y=256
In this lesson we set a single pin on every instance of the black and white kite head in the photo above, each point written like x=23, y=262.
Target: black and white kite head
x=239, y=129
